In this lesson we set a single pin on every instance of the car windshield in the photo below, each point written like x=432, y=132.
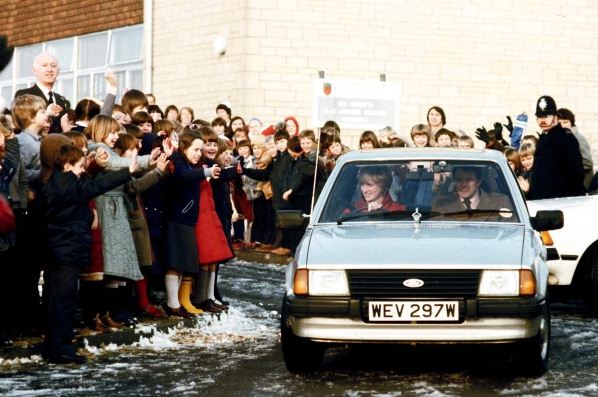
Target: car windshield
x=439, y=190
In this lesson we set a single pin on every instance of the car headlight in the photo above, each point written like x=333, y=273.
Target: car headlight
x=328, y=282
x=507, y=283
x=499, y=283
x=320, y=282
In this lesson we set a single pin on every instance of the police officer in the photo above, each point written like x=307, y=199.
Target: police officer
x=558, y=168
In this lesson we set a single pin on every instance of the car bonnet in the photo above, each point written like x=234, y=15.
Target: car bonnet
x=433, y=245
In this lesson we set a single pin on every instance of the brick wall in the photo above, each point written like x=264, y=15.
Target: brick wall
x=33, y=21
x=185, y=70
x=479, y=60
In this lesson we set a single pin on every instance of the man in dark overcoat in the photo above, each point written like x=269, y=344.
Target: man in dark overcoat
x=558, y=165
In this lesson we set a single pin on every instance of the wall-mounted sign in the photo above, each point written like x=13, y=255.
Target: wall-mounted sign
x=356, y=104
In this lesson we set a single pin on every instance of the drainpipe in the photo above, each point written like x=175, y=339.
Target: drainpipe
x=148, y=28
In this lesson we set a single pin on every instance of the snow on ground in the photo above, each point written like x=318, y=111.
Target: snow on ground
x=239, y=354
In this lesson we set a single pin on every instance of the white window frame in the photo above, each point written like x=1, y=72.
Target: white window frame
x=76, y=72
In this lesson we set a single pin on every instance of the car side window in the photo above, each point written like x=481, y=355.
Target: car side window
x=342, y=194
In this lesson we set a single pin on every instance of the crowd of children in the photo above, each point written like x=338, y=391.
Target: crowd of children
x=132, y=210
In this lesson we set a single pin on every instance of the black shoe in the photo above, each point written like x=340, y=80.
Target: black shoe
x=178, y=312
x=66, y=359
x=210, y=306
x=125, y=318
x=6, y=343
x=221, y=302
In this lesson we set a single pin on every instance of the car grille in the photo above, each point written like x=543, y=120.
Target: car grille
x=445, y=283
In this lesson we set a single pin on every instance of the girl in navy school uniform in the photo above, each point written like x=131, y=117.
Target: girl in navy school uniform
x=181, y=216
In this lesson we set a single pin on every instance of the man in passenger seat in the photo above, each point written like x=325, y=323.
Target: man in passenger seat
x=469, y=196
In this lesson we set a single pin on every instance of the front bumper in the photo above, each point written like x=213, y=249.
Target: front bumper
x=481, y=320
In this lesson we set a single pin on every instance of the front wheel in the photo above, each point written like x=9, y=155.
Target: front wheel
x=533, y=354
x=300, y=355
x=590, y=281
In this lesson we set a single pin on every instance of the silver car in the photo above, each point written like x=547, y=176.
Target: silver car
x=419, y=246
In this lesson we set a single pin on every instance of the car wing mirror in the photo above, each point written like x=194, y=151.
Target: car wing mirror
x=547, y=220
x=290, y=219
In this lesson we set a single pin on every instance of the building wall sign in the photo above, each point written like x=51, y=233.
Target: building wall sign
x=356, y=104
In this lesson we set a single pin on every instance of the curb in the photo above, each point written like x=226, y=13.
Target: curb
x=27, y=347
x=261, y=257
x=31, y=346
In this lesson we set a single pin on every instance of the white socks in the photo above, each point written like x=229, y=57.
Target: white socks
x=172, y=282
x=211, y=286
x=112, y=284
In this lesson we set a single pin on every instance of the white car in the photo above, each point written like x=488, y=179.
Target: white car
x=386, y=259
x=573, y=250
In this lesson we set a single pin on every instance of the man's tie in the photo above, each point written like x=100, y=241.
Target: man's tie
x=467, y=204
x=51, y=97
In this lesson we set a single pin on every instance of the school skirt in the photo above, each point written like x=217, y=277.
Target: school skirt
x=181, y=248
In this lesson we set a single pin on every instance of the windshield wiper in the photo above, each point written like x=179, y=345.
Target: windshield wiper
x=378, y=214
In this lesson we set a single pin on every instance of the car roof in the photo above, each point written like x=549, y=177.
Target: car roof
x=423, y=154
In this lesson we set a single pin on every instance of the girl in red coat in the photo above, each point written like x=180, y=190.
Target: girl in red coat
x=212, y=243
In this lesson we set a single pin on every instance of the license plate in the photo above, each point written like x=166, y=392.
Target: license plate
x=414, y=311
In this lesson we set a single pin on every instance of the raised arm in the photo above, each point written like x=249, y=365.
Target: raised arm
x=112, y=82
x=116, y=162
x=88, y=189
x=184, y=172
x=140, y=185
x=258, y=174
x=228, y=174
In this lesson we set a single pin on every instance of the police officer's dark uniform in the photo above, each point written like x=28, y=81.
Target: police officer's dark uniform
x=558, y=166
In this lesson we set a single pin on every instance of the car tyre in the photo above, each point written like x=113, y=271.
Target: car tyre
x=591, y=280
x=534, y=352
x=300, y=355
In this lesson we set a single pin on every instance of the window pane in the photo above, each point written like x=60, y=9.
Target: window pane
x=126, y=45
x=65, y=87
x=136, y=79
x=83, y=87
x=22, y=85
x=63, y=50
x=122, y=83
x=99, y=86
x=6, y=94
x=25, y=57
x=92, y=50
x=6, y=74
